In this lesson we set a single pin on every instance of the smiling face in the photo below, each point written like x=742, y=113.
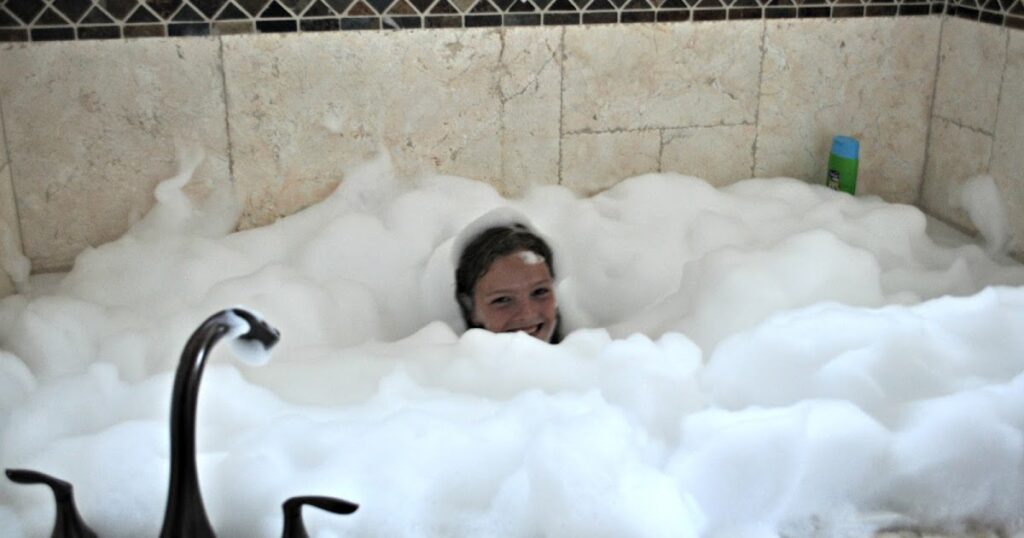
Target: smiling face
x=516, y=294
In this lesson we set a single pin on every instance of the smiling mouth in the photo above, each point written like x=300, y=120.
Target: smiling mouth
x=532, y=330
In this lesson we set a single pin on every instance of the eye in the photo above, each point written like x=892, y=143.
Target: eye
x=501, y=300
x=541, y=292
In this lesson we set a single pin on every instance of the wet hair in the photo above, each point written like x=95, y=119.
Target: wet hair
x=486, y=247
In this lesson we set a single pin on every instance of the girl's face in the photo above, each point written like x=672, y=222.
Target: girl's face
x=516, y=294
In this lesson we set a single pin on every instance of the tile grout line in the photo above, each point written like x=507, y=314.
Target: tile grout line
x=501, y=103
x=561, y=104
x=227, y=117
x=9, y=165
x=919, y=199
x=757, y=108
x=999, y=101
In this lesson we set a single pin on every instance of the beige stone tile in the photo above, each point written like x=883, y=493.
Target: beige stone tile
x=971, y=59
x=955, y=154
x=303, y=108
x=91, y=127
x=592, y=162
x=866, y=78
x=8, y=225
x=530, y=85
x=660, y=75
x=721, y=155
x=1008, y=151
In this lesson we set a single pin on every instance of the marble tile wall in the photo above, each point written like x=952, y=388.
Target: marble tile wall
x=282, y=116
x=977, y=124
x=10, y=232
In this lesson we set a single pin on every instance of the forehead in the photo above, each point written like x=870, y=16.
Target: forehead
x=520, y=269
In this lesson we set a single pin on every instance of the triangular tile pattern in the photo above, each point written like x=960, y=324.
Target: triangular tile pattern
x=637, y=5
x=562, y=5
x=380, y=6
x=443, y=7
x=71, y=9
x=119, y=9
x=600, y=5
x=401, y=7
x=484, y=6
x=252, y=7
x=1017, y=8
x=208, y=7
x=142, y=14
x=673, y=4
x=360, y=9
x=295, y=6
x=421, y=5
x=26, y=10
x=96, y=15
x=275, y=10
x=50, y=17
x=522, y=6
x=8, y=20
x=164, y=8
x=318, y=9
x=231, y=12
x=187, y=13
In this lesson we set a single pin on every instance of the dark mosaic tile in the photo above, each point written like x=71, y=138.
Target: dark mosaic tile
x=380, y=6
x=318, y=9
x=522, y=6
x=746, y=3
x=619, y=3
x=7, y=20
x=710, y=14
x=25, y=10
x=600, y=17
x=361, y=9
x=839, y=11
x=274, y=10
x=561, y=19
x=520, y=19
x=709, y=4
x=815, y=12
x=276, y=27
x=632, y=17
x=145, y=30
x=187, y=13
x=562, y=5
x=992, y=18
x=252, y=7
x=360, y=23
x=10, y=36
x=745, y=13
x=880, y=11
x=72, y=9
x=674, y=4
x=1015, y=22
x=296, y=6
x=402, y=22
x=142, y=14
x=912, y=9
x=96, y=15
x=208, y=7
x=401, y=7
x=483, y=6
x=51, y=18
x=119, y=9
x=52, y=34
x=446, y=21
x=339, y=6
x=187, y=29
x=477, y=21
x=676, y=15
x=233, y=27
x=780, y=13
x=443, y=7
x=600, y=5
x=638, y=5
x=422, y=5
x=320, y=25
x=1017, y=8
x=937, y=9
x=164, y=8
x=812, y=3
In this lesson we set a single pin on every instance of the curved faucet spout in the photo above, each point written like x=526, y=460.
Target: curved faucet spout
x=185, y=514
x=69, y=523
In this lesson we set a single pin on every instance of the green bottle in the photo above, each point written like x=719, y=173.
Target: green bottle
x=842, y=164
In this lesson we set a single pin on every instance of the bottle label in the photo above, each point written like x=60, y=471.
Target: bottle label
x=833, y=180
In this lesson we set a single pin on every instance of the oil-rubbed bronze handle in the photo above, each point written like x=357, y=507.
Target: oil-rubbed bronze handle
x=293, y=526
x=69, y=523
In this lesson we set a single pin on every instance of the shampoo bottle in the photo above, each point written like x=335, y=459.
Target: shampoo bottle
x=842, y=164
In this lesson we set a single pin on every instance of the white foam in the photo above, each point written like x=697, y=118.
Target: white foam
x=980, y=197
x=767, y=359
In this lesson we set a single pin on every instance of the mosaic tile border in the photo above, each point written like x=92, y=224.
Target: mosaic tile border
x=56, y=20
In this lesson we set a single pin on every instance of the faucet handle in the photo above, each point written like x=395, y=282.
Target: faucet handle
x=293, y=526
x=69, y=523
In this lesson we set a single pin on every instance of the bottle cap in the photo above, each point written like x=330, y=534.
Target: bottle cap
x=846, y=147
